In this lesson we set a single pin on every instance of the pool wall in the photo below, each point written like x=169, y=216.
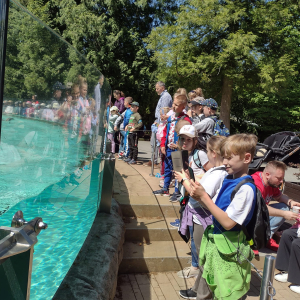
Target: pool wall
x=53, y=126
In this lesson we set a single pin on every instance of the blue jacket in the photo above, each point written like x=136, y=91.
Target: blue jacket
x=127, y=115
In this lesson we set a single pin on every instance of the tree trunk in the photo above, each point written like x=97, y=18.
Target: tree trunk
x=226, y=101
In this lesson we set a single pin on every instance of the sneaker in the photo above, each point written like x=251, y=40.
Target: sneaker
x=161, y=183
x=188, y=272
x=282, y=277
x=272, y=245
x=120, y=157
x=127, y=159
x=132, y=162
x=162, y=192
x=256, y=252
x=295, y=288
x=188, y=294
x=175, y=197
x=175, y=224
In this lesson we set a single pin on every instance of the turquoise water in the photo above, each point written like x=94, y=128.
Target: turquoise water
x=37, y=164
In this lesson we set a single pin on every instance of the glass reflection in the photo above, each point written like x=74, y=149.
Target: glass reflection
x=54, y=108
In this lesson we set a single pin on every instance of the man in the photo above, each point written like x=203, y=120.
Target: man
x=268, y=182
x=165, y=100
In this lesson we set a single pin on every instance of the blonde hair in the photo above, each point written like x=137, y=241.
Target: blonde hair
x=275, y=164
x=195, y=93
x=181, y=98
x=199, y=92
x=239, y=144
x=214, y=143
x=128, y=100
x=182, y=91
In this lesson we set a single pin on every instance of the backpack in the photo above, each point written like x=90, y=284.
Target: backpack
x=258, y=229
x=196, y=160
x=220, y=128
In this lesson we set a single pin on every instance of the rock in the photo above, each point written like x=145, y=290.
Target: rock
x=94, y=273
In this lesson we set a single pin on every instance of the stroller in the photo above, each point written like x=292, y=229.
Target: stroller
x=283, y=146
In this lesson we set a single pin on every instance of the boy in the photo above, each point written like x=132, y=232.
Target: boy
x=124, y=120
x=197, y=110
x=135, y=124
x=227, y=276
x=207, y=125
x=169, y=141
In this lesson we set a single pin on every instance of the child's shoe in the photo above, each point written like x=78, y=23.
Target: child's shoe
x=127, y=159
x=132, y=162
x=175, y=197
x=175, y=224
x=188, y=272
x=188, y=294
x=161, y=183
x=162, y=192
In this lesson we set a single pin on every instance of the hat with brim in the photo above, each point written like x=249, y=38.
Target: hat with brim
x=188, y=130
x=210, y=103
x=114, y=108
x=134, y=103
x=197, y=101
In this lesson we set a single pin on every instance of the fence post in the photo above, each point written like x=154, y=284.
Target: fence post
x=268, y=275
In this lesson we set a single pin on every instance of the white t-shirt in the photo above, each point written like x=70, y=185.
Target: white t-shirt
x=203, y=159
x=211, y=182
x=241, y=204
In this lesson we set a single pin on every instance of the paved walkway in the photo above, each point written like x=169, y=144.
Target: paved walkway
x=135, y=183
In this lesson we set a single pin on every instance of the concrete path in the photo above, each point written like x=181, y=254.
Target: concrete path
x=152, y=245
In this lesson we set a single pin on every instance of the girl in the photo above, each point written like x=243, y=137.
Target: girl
x=195, y=216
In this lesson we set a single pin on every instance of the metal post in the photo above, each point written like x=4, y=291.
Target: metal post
x=4, y=7
x=152, y=160
x=268, y=275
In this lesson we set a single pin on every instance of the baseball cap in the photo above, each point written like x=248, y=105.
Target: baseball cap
x=210, y=103
x=188, y=130
x=197, y=101
x=134, y=103
x=58, y=86
x=114, y=108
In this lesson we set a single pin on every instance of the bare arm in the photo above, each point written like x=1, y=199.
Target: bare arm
x=288, y=215
x=219, y=214
x=287, y=200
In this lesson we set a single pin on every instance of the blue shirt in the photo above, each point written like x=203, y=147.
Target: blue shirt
x=224, y=199
x=165, y=100
x=127, y=115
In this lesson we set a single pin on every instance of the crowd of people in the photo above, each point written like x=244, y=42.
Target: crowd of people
x=218, y=197
x=70, y=105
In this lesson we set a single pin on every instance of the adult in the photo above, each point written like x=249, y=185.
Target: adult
x=119, y=103
x=165, y=100
x=268, y=182
x=97, y=93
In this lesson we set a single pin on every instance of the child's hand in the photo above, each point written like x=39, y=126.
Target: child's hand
x=115, y=128
x=131, y=130
x=179, y=175
x=163, y=150
x=126, y=127
x=173, y=146
x=197, y=190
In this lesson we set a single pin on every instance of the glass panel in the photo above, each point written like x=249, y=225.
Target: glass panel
x=50, y=153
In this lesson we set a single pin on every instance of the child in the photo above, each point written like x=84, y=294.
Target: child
x=224, y=272
x=169, y=141
x=123, y=121
x=110, y=130
x=135, y=124
x=197, y=110
x=195, y=217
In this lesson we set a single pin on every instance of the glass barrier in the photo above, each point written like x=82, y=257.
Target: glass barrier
x=52, y=134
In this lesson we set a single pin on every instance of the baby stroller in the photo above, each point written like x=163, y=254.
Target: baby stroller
x=283, y=146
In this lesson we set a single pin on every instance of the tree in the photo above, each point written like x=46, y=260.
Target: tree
x=230, y=47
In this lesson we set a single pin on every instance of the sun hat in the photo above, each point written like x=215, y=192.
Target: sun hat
x=114, y=108
x=188, y=130
x=134, y=103
x=210, y=102
x=197, y=101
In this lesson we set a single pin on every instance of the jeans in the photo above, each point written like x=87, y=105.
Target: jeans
x=195, y=254
x=152, y=143
x=276, y=222
x=122, y=141
x=168, y=170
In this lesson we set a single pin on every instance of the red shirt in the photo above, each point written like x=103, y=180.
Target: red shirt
x=267, y=192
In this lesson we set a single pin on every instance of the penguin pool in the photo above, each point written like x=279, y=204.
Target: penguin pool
x=46, y=172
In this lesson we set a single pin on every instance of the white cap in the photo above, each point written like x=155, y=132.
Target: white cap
x=188, y=130
x=114, y=108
